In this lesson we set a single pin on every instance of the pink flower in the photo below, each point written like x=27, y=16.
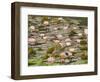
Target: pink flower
x=51, y=60
x=31, y=40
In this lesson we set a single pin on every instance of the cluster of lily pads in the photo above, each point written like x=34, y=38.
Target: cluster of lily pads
x=57, y=40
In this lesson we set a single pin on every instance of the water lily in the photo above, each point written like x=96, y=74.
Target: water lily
x=74, y=28
x=79, y=34
x=46, y=23
x=68, y=43
x=72, y=49
x=45, y=37
x=59, y=36
x=86, y=31
x=55, y=28
x=78, y=40
x=32, y=28
x=31, y=40
x=65, y=28
x=42, y=35
x=67, y=60
x=68, y=39
x=51, y=60
x=60, y=18
x=56, y=41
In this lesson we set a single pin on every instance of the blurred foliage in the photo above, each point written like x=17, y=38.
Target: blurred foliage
x=83, y=42
x=31, y=52
x=50, y=50
x=72, y=33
